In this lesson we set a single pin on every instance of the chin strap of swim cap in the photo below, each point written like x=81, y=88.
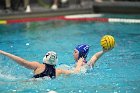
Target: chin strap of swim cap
x=50, y=58
x=83, y=50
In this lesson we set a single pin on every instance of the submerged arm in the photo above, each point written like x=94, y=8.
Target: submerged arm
x=76, y=70
x=21, y=61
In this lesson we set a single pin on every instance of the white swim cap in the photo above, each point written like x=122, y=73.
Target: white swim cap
x=50, y=58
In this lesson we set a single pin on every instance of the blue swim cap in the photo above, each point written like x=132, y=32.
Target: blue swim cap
x=83, y=50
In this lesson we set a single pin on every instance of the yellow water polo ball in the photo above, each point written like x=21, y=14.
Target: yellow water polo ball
x=107, y=42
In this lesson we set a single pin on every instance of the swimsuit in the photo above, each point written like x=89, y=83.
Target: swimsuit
x=49, y=71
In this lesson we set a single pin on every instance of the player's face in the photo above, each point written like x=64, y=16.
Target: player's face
x=76, y=54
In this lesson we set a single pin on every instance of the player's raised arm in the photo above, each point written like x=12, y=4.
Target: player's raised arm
x=107, y=43
x=21, y=61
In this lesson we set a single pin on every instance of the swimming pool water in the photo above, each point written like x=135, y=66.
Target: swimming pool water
x=115, y=72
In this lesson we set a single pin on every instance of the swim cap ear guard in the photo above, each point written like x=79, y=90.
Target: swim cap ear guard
x=50, y=58
x=83, y=50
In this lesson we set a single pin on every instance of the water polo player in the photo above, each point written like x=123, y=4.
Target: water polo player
x=81, y=51
x=47, y=68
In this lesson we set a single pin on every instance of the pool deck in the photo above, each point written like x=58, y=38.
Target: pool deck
x=47, y=13
x=94, y=7
x=40, y=11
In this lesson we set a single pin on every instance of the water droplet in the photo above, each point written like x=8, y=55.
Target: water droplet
x=80, y=91
x=27, y=44
x=52, y=91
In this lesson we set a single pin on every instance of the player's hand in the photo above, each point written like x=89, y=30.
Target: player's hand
x=0, y=51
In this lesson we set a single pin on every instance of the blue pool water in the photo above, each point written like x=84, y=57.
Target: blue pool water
x=115, y=72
